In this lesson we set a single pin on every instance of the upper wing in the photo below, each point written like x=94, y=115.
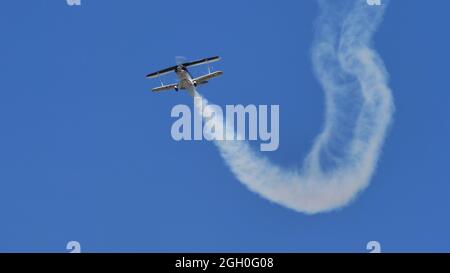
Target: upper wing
x=172, y=68
x=206, y=77
x=202, y=61
x=165, y=87
x=161, y=72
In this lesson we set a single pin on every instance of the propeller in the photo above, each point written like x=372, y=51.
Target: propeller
x=180, y=60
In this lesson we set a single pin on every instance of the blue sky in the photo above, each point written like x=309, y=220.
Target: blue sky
x=87, y=155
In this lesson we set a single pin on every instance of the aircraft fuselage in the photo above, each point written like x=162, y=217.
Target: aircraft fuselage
x=185, y=78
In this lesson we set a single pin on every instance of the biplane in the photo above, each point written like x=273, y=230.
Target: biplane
x=185, y=79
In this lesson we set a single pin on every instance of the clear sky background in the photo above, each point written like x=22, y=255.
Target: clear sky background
x=86, y=152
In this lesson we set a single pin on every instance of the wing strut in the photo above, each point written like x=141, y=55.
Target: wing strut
x=209, y=68
x=160, y=80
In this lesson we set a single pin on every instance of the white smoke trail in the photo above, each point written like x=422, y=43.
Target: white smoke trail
x=358, y=111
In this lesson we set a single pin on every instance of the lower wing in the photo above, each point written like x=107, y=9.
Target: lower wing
x=205, y=78
x=165, y=87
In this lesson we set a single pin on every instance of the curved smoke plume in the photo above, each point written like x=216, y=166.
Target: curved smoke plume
x=359, y=108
